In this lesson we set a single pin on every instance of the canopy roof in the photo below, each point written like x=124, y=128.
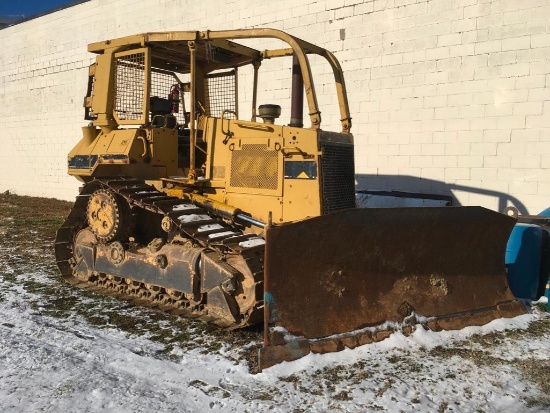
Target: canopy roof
x=214, y=50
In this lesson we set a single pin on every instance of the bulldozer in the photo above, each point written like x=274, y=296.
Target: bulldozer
x=192, y=207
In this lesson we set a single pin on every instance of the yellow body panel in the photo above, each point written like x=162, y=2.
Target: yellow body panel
x=144, y=154
x=251, y=167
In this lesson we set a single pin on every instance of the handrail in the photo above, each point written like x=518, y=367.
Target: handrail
x=300, y=48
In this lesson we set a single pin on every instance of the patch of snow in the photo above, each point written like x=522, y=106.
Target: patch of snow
x=185, y=219
x=253, y=242
x=210, y=227
x=541, y=300
x=68, y=365
x=183, y=207
x=221, y=234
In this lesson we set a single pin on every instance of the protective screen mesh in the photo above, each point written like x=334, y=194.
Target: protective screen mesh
x=221, y=94
x=130, y=86
x=161, y=85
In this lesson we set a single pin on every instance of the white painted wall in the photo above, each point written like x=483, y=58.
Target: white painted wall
x=447, y=96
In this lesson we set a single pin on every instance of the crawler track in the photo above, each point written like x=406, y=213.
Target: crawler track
x=185, y=227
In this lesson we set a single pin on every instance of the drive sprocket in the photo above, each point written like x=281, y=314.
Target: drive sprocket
x=106, y=215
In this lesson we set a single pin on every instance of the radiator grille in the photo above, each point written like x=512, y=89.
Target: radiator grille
x=130, y=86
x=254, y=166
x=337, y=177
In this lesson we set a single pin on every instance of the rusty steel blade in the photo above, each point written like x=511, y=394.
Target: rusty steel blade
x=360, y=268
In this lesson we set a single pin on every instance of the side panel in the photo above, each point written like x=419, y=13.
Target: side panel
x=102, y=98
x=164, y=149
x=262, y=168
x=244, y=166
x=294, y=173
x=111, y=148
x=126, y=152
x=302, y=174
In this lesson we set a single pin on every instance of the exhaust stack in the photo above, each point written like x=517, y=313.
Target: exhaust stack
x=297, y=103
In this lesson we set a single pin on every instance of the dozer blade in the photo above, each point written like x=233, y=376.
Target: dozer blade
x=354, y=277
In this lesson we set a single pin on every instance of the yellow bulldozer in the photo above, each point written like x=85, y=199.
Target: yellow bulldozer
x=236, y=220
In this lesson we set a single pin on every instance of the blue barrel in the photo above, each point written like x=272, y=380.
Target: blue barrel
x=545, y=259
x=523, y=260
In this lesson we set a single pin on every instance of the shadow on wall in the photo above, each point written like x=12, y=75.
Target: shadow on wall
x=428, y=186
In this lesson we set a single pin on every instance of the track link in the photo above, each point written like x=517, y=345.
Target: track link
x=184, y=222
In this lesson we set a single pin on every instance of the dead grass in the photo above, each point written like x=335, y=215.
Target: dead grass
x=533, y=369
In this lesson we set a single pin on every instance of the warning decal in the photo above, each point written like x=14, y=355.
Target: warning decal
x=300, y=170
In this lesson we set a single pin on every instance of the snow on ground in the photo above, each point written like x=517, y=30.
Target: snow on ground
x=67, y=364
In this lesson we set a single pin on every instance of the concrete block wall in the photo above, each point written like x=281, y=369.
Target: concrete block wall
x=458, y=101
x=447, y=96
